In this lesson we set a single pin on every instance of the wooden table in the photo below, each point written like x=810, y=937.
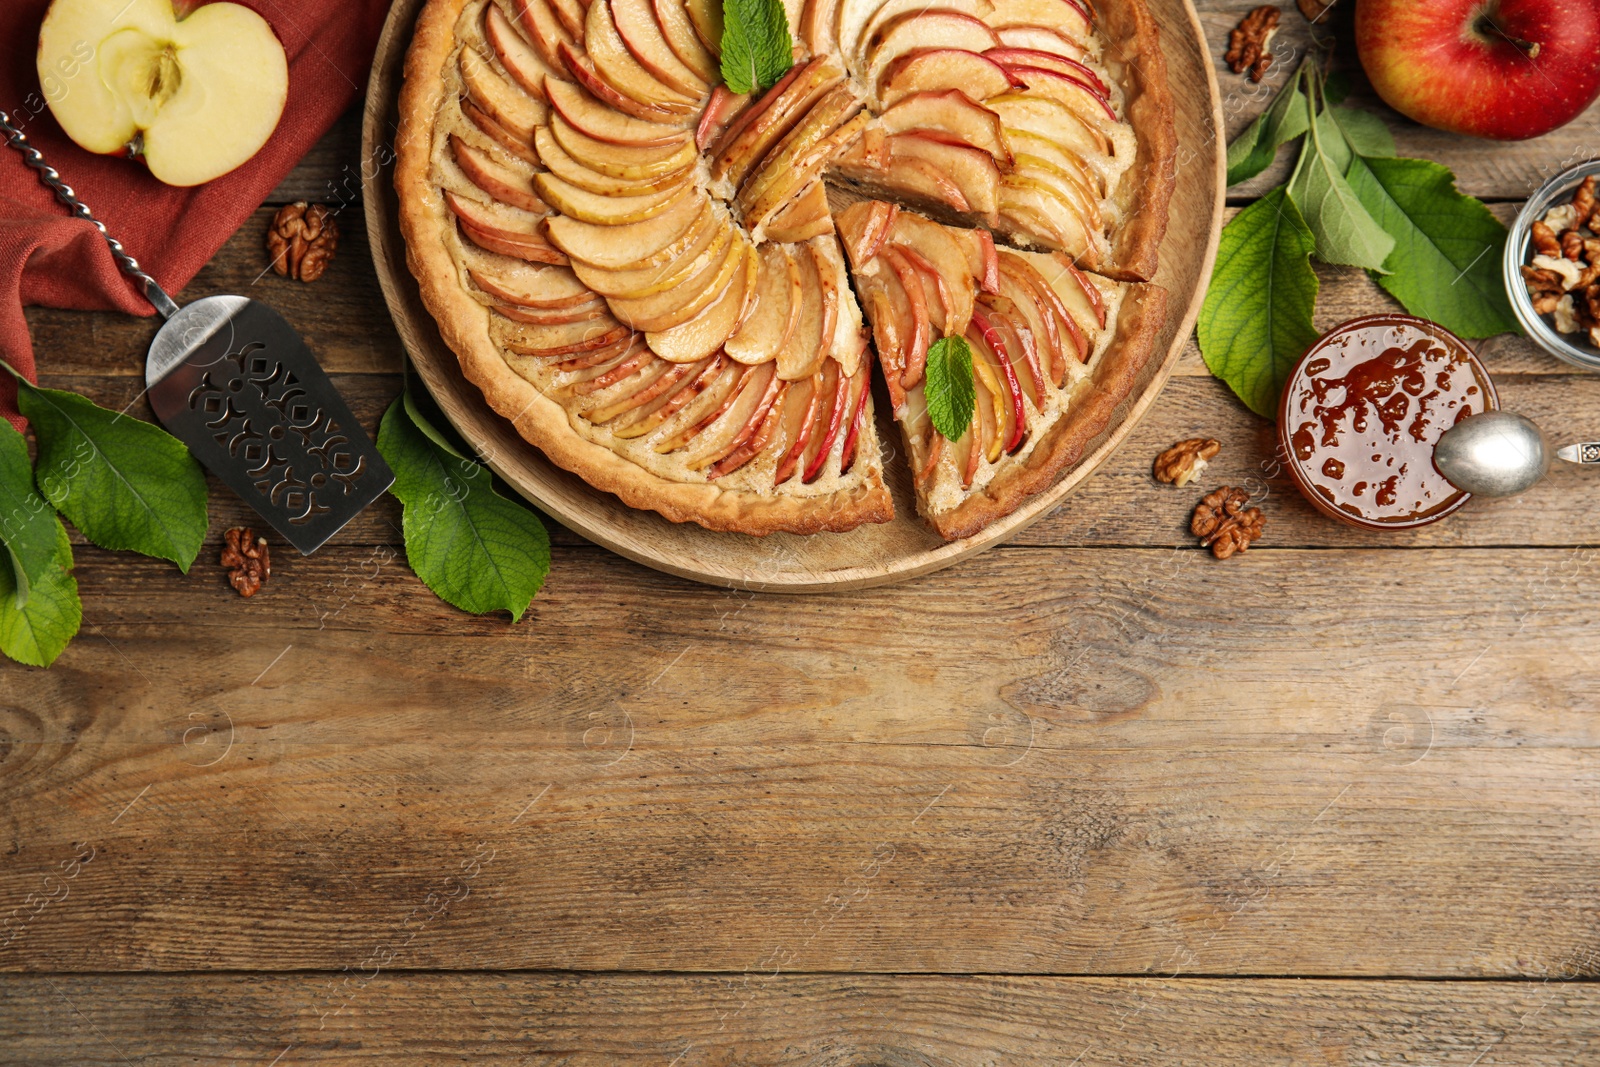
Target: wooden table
x=1093, y=797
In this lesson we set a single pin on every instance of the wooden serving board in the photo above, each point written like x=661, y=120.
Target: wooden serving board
x=867, y=556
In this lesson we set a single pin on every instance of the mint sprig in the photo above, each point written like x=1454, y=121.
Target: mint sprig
x=1349, y=201
x=948, y=386
x=125, y=483
x=473, y=547
x=756, y=47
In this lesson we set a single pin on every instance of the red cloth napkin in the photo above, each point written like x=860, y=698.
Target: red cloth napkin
x=50, y=258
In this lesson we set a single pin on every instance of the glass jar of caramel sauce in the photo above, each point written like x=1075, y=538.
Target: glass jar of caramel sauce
x=1362, y=411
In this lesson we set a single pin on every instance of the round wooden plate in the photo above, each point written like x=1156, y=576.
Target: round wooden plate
x=869, y=555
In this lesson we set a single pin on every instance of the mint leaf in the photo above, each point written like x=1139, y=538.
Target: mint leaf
x=36, y=633
x=1345, y=231
x=949, y=390
x=1446, y=260
x=470, y=545
x=1367, y=134
x=1254, y=150
x=1256, y=319
x=28, y=525
x=125, y=483
x=756, y=47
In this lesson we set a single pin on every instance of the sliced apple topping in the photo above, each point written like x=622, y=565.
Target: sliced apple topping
x=559, y=340
x=516, y=54
x=684, y=40
x=585, y=74
x=1023, y=58
x=641, y=30
x=509, y=181
x=660, y=381
x=771, y=325
x=541, y=26
x=529, y=286
x=809, y=345
x=708, y=245
x=836, y=387
x=498, y=133
x=594, y=313
x=721, y=110
x=771, y=117
x=754, y=428
x=794, y=432
x=562, y=165
x=591, y=117
x=890, y=10
x=642, y=244
x=1041, y=39
x=953, y=114
x=506, y=230
x=609, y=210
x=707, y=331
x=508, y=105
x=633, y=162
x=800, y=157
x=804, y=217
x=1070, y=18
x=935, y=69
x=649, y=418
x=620, y=66
x=918, y=29
x=674, y=306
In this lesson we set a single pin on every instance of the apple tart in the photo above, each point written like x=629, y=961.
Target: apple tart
x=647, y=274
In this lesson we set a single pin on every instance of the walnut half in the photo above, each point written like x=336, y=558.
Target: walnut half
x=302, y=240
x=1248, y=43
x=1224, y=524
x=1185, y=461
x=247, y=559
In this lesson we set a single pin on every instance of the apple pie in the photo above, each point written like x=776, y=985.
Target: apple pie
x=683, y=294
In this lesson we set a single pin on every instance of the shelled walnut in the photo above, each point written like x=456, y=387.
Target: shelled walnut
x=1315, y=10
x=248, y=561
x=1563, y=276
x=1185, y=461
x=1249, y=44
x=302, y=240
x=1224, y=524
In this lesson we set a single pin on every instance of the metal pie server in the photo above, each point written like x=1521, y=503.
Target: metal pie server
x=235, y=383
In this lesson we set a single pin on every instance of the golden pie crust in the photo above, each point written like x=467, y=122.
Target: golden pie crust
x=838, y=500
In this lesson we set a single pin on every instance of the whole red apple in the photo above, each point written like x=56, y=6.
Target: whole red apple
x=1507, y=69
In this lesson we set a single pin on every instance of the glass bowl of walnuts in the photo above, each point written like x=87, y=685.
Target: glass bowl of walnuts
x=1552, y=266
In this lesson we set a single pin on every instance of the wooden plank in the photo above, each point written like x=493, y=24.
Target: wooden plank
x=813, y=1020
x=1041, y=761
x=1489, y=170
x=1122, y=505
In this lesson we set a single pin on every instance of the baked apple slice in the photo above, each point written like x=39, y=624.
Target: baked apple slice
x=771, y=117
x=810, y=345
x=640, y=29
x=804, y=217
x=1014, y=58
x=799, y=158
x=516, y=54
x=541, y=26
x=529, y=286
x=584, y=73
x=890, y=10
x=707, y=331
x=771, y=325
x=563, y=166
x=632, y=162
x=642, y=244
x=709, y=246
x=594, y=119
x=918, y=29
x=518, y=111
x=672, y=307
x=619, y=66
x=608, y=210
x=936, y=69
x=951, y=115
x=510, y=181
x=1042, y=39
x=684, y=40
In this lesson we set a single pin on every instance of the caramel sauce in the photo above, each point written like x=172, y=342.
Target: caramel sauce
x=1363, y=410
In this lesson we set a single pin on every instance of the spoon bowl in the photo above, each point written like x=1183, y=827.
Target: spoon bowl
x=1495, y=453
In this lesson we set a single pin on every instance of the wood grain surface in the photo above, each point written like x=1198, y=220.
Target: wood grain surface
x=1092, y=797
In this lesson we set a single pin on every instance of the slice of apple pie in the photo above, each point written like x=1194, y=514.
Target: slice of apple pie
x=644, y=271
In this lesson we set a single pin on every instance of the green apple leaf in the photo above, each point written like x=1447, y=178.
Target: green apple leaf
x=1345, y=231
x=756, y=47
x=1256, y=319
x=127, y=484
x=1365, y=132
x=949, y=390
x=474, y=548
x=1446, y=261
x=36, y=633
x=1284, y=119
x=27, y=523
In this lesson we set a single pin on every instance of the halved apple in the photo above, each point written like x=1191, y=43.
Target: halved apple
x=542, y=27
x=508, y=105
x=950, y=112
x=194, y=97
x=534, y=287
x=645, y=37
x=675, y=306
x=1069, y=17
x=771, y=325
x=933, y=69
x=642, y=244
x=890, y=10
x=772, y=117
x=618, y=65
x=1035, y=57
x=584, y=73
x=804, y=217
x=707, y=331
x=519, y=58
x=925, y=29
x=505, y=182
x=593, y=118
x=684, y=40
x=631, y=162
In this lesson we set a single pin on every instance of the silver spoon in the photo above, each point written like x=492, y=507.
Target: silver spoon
x=1496, y=453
